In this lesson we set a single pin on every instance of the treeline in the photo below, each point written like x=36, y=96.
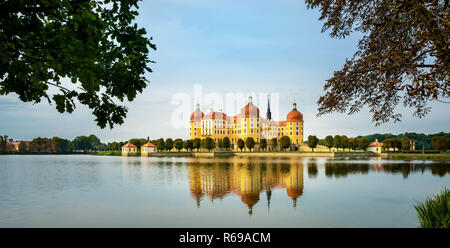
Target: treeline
x=53, y=145
x=208, y=143
x=339, y=142
x=418, y=138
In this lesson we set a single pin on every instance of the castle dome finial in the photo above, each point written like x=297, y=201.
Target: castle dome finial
x=250, y=100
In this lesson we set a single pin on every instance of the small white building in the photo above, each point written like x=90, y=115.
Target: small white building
x=129, y=149
x=375, y=146
x=147, y=148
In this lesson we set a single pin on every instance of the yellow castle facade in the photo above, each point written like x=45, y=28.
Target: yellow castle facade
x=248, y=123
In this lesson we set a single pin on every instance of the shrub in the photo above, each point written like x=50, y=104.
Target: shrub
x=435, y=211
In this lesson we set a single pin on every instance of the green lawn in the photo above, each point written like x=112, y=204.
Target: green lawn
x=415, y=156
x=110, y=153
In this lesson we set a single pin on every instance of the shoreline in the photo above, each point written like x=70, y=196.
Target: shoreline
x=246, y=154
x=442, y=157
x=439, y=157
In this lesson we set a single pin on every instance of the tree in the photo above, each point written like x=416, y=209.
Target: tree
x=388, y=143
x=3, y=142
x=352, y=143
x=344, y=142
x=312, y=142
x=209, y=143
x=23, y=147
x=160, y=145
x=439, y=143
x=263, y=144
x=197, y=143
x=273, y=143
x=59, y=145
x=137, y=142
x=241, y=144
x=329, y=142
x=95, y=142
x=80, y=143
x=406, y=143
x=93, y=52
x=362, y=143
x=220, y=143
x=250, y=143
x=285, y=142
x=178, y=144
x=403, y=54
x=337, y=142
x=397, y=143
x=169, y=144
x=188, y=145
x=226, y=143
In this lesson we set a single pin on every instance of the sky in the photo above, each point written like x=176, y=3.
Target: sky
x=223, y=46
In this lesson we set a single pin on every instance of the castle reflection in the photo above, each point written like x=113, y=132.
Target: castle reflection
x=247, y=178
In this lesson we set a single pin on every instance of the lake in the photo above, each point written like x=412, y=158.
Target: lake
x=107, y=191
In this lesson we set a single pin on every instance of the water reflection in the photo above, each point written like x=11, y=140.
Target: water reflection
x=247, y=178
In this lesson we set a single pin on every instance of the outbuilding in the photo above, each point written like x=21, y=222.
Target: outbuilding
x=129, y=149
x=148, y=148
x=375, y=146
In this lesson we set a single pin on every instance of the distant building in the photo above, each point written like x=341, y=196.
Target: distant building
x=375, y=146
x=148, y=148
x=13, y=146
x=129, y=149
x=248, y=123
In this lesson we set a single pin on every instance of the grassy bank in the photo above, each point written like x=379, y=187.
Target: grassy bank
x=110, y=153
x=415, y=156
x=435, y=211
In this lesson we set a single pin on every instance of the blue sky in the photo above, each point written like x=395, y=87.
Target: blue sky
x=224, y=46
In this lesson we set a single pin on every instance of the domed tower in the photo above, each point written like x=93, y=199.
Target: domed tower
x=294, y=125
x=195, y=130
x=250, y=121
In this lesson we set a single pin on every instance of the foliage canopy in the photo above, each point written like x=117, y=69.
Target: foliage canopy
x=91, y=51
x=403, y=54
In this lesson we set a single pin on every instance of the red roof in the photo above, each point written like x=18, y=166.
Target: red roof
x=197, y=116
x=376, y=143
x=250, y=110
x=148, y=144
x=294, y=116
x=216, y=115
x=129, y=145
x=281, y=123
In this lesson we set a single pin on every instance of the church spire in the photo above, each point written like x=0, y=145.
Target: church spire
x=269, y=114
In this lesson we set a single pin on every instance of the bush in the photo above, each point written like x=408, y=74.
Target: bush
x=435, y=211
x=417, y=151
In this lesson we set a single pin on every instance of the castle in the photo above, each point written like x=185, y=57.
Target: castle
x=248, y=123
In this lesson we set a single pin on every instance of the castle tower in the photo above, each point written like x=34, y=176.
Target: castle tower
x=269, y=114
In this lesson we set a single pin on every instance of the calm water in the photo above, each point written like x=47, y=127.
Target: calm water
x=97, y=191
